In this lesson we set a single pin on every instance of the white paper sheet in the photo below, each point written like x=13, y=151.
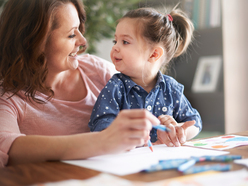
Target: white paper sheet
x=242, y=162
x=140, y=159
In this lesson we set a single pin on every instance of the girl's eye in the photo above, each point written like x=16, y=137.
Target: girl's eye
x=72, y=36
x=125, y=42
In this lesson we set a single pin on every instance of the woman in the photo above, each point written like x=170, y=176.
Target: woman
x=48, y=91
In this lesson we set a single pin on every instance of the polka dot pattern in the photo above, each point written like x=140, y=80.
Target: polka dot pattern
x=122, y=93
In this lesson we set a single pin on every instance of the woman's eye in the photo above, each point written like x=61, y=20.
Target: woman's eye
x=72, y=36
x=114, y=41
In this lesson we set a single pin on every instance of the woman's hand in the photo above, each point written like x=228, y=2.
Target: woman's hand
x=178, y=132
x=131, y=128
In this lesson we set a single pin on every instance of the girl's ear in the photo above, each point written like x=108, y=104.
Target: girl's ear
x=157, y=53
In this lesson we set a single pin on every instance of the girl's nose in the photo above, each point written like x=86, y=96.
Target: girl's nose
x=115, y=48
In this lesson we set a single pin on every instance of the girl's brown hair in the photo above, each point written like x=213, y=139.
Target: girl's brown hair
x=25, y=26
x=157, y=28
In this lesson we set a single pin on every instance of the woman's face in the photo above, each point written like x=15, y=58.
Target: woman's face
x=64, y=42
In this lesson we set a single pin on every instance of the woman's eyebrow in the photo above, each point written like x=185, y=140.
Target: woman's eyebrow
x=72, y=29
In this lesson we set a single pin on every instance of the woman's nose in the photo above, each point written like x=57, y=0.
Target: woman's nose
x=81, y=40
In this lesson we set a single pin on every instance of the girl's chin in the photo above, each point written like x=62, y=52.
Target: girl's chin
x=73, y=64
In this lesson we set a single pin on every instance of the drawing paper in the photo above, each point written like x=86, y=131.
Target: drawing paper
x=140, y=158
x=220, y=143
x=242, y=162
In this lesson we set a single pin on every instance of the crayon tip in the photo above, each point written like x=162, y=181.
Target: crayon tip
x=151, y=148
x=149, y=143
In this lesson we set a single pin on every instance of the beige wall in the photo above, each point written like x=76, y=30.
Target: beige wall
x=235, y=55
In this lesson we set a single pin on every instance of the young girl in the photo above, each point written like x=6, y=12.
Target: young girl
x=145, y=41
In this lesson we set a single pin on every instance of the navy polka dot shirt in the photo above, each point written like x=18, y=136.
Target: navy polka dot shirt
x=122, y=93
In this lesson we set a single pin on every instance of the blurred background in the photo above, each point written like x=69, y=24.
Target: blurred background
x=214, y=69
x=207, y=18
x=219, y=50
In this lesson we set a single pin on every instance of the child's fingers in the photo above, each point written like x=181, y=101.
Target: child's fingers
x=166, y=120
x=188, y=124
x=164, y=138
x=170, y=123
x=177, y=134
x=172, y=136
x=181, y=135
x=181, y=131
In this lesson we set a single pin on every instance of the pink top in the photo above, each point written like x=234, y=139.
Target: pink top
x=19, y=117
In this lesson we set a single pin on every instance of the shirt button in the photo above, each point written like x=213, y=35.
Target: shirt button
x=164, y=109
x=149, y=107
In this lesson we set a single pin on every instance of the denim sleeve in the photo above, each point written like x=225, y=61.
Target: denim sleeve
x=106, y=107
x=183, y=111
x=188, y=113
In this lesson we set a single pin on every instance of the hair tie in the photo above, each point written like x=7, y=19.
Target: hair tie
x=170, y=17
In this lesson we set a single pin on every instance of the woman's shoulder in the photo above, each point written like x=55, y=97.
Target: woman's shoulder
x=96, y=68
x=92, y=61
x=9, y=96
x=12, y=102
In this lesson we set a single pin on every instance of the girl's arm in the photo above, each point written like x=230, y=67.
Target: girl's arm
x=107, y=106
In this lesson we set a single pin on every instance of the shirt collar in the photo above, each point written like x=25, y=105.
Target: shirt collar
x=160, y=81
x=129, y=84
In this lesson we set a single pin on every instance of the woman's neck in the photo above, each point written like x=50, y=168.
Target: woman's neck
x=67, y=85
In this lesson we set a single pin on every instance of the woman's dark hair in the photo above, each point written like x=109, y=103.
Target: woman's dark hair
x=157, y=28
x=25, y=26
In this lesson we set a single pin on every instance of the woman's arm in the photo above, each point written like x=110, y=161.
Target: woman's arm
x=35, y=148
x=130, y=129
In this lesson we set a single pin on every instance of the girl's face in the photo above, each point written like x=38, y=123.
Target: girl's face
x=128, y=53
x=64, y=42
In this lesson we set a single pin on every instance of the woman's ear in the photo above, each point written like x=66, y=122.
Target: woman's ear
x=157, y=53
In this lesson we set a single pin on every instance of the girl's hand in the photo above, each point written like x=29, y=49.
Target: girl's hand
x=178, y=132
x=131, y=128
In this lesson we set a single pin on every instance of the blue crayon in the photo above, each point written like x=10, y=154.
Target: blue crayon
x=223, y=158
x=173, y=161
x=216, y=167
x=185, y=166
x=149, y=143
x=166, y=165
x=161, y=127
